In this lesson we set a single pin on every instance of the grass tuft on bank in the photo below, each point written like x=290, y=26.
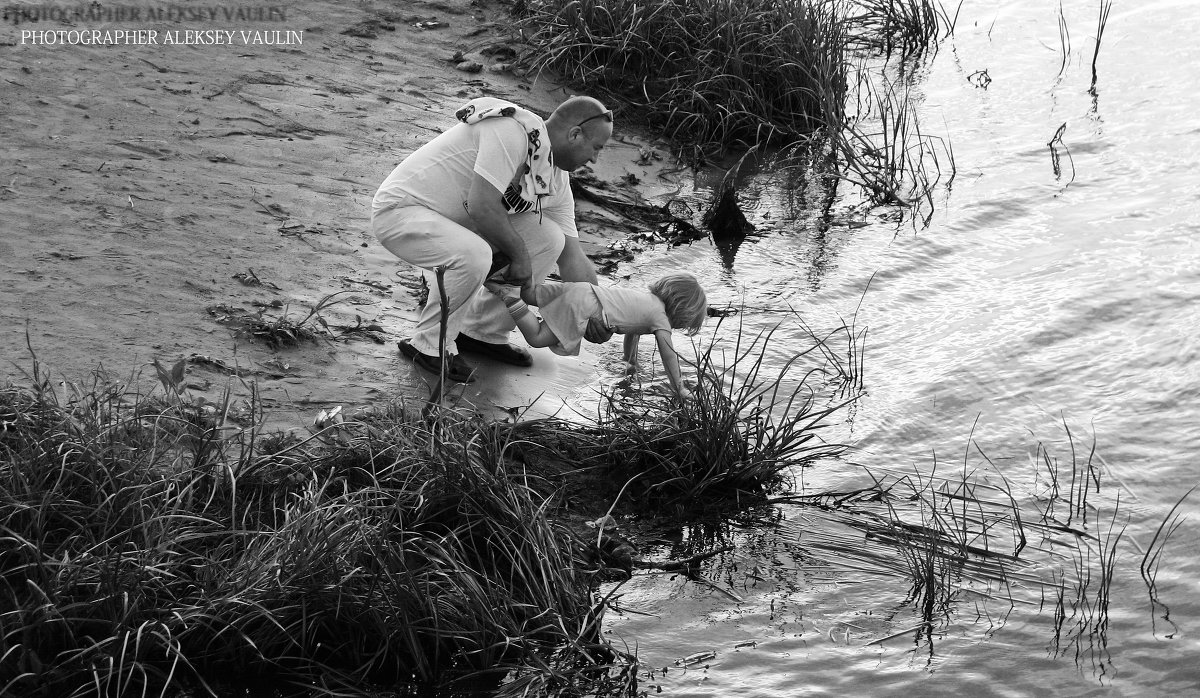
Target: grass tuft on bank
x=151, y=547
x=741, y=436
x=793, y=76
x=701, y=71
x=160, y=543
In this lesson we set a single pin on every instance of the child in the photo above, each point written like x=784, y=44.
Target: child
x=674, y=301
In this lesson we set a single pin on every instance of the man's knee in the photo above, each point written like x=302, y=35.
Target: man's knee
x=476, y=263
x=428, y=239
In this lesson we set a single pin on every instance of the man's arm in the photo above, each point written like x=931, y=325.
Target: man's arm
x=573, y=264
x=492, y=223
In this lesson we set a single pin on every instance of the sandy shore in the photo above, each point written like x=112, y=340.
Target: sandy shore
x=155, y=194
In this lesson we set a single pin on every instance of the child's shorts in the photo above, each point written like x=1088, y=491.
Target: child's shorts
x=566, y=308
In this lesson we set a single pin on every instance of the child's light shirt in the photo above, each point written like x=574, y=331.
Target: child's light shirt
x=632, y=310
x=567, y=307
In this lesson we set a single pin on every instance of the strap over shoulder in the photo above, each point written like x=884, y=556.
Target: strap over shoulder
x=539, y=160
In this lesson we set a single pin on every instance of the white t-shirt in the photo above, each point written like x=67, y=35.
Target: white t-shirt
x=438, y=175
x=632, y=310
x=566, y=308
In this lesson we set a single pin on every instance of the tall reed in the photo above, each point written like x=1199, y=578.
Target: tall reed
x=1101, y=24
x=1152, y=558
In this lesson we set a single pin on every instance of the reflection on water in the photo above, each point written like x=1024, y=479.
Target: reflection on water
x=1044, y=309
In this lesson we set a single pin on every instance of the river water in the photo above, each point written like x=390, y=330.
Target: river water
x=1034, y=302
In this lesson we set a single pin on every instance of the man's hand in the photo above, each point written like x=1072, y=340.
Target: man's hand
x=519, y=273
x=499, y=262
x=491, y=222
x=597, y=332
x=528, y=295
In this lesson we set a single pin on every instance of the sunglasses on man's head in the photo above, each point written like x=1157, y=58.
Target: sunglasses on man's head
x=606, y=115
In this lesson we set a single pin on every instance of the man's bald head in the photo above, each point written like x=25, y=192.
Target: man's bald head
x=578, y=129
x=575, y=109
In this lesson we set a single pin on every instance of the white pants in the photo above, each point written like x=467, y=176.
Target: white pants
x=427, y=239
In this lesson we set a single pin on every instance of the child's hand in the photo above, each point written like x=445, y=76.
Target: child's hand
x=684, y=394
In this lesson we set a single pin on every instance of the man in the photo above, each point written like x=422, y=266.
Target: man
x=493, y=185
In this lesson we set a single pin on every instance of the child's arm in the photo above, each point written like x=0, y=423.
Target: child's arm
x=670, y=361
x=631, y=348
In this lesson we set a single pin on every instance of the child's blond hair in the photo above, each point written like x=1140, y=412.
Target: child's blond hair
x=686, y=304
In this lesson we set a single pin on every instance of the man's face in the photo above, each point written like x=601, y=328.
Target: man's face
x=583, y=144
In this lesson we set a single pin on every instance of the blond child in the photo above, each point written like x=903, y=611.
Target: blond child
x=673, y=302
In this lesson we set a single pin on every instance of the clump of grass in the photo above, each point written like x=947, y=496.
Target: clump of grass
x=701, y=71
x=148, y=548
x=885, y=151
x=1075, y=499
x=723, y=75
x=1081, y=611
x=907, y=27
x=735, y=440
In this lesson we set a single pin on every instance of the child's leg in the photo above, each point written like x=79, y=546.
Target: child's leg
x=534, y=331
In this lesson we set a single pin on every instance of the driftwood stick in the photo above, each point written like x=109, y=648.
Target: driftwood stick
x=435, y=399
x=680, y=565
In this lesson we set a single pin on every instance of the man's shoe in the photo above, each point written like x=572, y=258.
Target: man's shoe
x=505, y=353
x=457, y=369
